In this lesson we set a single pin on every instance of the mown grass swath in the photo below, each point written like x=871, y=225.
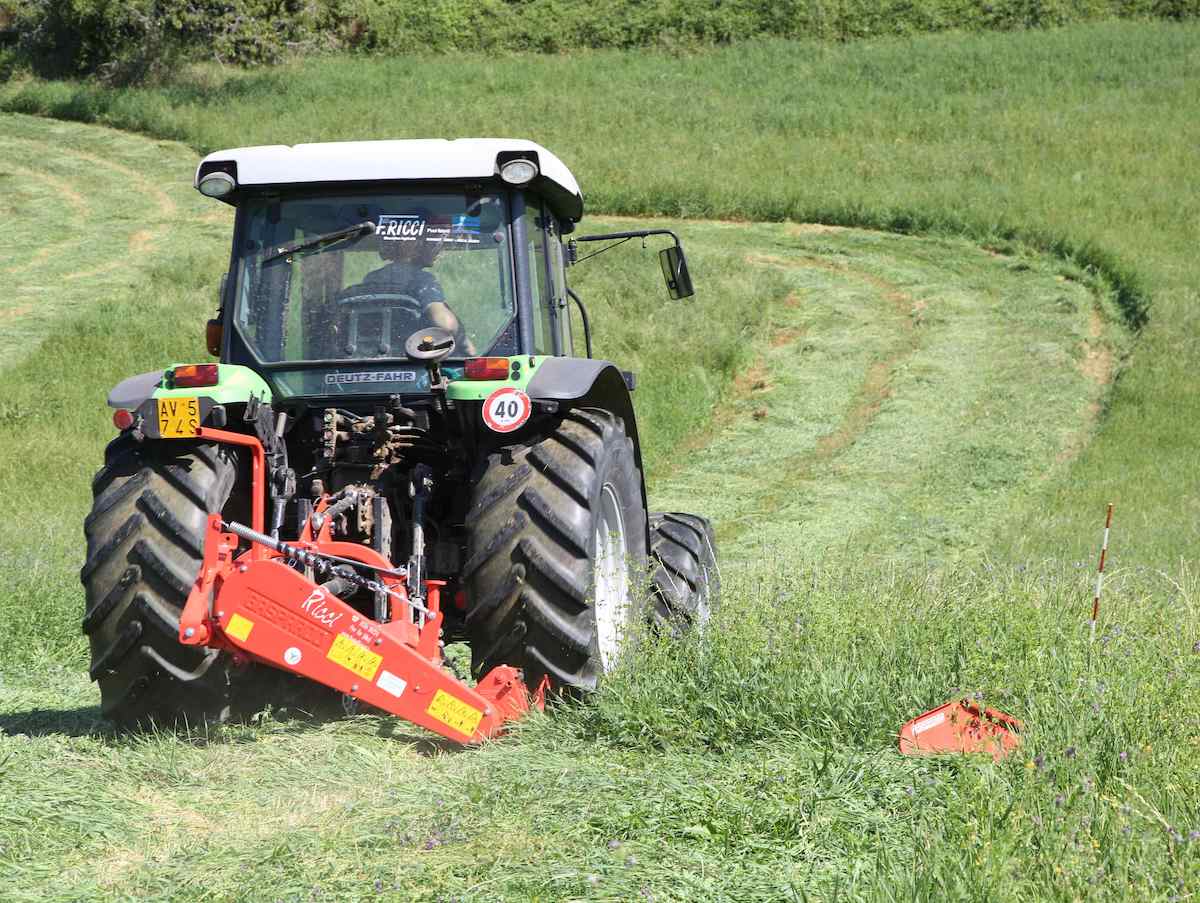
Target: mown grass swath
x=760, y=762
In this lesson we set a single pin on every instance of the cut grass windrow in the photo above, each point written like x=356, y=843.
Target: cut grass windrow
x=884, y=423
x=88, y=213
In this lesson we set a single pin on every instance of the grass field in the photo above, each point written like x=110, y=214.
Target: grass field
x=931, y=395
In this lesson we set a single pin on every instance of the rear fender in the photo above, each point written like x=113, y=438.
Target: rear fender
x=131, y=392
x=142, y=394
x=588, y=383
x=234, y=384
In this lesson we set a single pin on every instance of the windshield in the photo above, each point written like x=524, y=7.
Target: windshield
x=349, y=277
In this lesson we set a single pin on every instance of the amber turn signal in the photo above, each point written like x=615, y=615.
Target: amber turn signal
x=212, y=335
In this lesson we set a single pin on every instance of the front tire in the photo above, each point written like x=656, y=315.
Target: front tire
x=556, y=549
x=687, y=584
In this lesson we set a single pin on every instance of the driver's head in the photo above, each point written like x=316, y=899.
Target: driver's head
x=420, y=252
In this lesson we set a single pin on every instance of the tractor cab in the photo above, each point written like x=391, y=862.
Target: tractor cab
x=343, y=251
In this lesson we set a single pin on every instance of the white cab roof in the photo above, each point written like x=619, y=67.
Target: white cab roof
x=369, y=161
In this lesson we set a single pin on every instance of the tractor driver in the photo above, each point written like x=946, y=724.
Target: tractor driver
x=407, y=272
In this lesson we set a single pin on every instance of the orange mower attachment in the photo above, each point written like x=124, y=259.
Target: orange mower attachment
x=960, y=726
x=259, y=605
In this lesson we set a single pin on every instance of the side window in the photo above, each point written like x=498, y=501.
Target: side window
x=558, y=285
x=543, y=316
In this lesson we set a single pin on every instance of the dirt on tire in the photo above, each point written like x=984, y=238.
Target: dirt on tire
x=532, y=545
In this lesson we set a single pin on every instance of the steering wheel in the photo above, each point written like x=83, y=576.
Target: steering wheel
x=385, y=299
x=400, y=312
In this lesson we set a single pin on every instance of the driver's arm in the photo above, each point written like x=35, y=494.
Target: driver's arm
x=440, y=314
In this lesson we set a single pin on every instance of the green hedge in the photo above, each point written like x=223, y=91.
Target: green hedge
x=130, y=40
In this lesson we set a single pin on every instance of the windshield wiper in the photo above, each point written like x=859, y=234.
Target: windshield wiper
x=337, y=235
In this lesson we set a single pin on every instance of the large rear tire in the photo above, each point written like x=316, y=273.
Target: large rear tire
x=687, y=585
x=556, y=550
x=145, y=540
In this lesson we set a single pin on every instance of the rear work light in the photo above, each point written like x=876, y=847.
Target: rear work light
x=519, y=171
x=193, y=376
x=122, y=419
x=217, y=184
x=487, y=368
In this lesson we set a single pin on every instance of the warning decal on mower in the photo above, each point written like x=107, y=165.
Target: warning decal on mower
x=506, y=410
x=354, y=657
x=239, y=628
x=454, y=713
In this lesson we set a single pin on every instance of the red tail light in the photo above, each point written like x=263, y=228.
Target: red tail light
x=122, y=419
x=193, y=376
x=487, y=368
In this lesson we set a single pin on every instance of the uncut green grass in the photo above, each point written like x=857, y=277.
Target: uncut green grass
x=1081, y=140
x=761, y=764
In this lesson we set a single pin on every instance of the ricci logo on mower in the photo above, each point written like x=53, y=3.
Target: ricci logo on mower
x=314, y=606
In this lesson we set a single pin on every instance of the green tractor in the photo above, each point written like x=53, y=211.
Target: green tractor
x=397, y=449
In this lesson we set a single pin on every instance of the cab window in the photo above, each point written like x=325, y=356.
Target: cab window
x=558, y=285
x=541, y=284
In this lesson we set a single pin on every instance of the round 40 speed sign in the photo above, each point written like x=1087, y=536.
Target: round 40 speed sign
x=506, y=410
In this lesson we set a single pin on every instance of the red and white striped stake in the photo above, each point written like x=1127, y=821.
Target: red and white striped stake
x=1100, y=572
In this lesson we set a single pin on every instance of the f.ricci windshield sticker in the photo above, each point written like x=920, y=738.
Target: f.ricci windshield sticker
x=459, y=228
x=400, y=226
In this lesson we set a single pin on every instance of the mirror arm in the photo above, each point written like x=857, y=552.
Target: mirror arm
x=587, y=327
x=640, y=233
x=673, y=257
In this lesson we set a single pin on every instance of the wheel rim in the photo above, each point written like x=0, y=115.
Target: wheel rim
x=703, y=608
x=610, y=579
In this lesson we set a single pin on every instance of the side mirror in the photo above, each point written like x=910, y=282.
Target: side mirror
x=212, y=329
x=675, y=272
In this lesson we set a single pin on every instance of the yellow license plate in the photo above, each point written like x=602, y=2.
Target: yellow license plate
x=178, y=418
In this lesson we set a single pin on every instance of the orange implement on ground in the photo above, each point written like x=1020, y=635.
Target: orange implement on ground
x=961, y=726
